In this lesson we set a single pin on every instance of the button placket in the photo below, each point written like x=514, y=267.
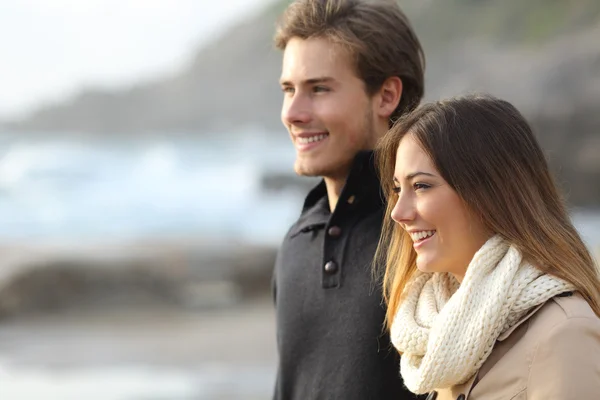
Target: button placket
x=337, y=235
x=331, y=267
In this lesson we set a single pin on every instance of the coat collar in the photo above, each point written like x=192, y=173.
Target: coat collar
x=508, y=332
x=530, y=314
x=362, y=190
x=465, y=388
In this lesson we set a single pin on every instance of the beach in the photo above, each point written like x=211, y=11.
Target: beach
x=141, y=354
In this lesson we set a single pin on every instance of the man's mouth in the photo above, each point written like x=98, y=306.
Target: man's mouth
x=311, y=139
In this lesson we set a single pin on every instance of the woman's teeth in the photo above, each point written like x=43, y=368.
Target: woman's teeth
x=417, y=236
x=311, y=139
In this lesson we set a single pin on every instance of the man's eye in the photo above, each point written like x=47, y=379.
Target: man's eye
x=287, y=89
x=320, y=89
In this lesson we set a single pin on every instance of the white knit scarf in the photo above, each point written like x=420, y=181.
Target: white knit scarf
x=445, y=331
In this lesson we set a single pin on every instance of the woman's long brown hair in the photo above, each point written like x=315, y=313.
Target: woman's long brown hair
x=486, y=151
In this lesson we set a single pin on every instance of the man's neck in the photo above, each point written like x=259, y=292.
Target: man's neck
x=334, y=190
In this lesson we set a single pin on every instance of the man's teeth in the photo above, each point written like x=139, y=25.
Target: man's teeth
x=310, y=139
x=416, y=236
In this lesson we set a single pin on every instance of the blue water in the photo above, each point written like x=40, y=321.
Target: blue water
x=70, y=186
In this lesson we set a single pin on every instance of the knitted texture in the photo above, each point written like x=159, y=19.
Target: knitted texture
x=446, y=330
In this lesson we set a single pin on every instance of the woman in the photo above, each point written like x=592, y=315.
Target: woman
x=491, y=292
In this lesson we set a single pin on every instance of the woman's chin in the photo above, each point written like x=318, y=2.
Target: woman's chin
x=423, y=265
x=423, y=268
x=426, y=266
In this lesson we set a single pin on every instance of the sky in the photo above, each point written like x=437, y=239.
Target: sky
x=50, y=49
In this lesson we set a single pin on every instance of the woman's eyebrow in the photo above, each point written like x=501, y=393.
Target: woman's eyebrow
x=415, y=174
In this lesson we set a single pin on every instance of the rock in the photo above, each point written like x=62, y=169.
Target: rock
x=190, y=275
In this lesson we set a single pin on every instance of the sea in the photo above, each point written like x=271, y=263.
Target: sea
x=89, y=188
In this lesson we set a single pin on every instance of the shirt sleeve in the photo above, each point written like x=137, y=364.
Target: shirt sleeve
x=566, y=364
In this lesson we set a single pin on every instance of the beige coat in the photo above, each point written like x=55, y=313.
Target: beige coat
x=553, y=353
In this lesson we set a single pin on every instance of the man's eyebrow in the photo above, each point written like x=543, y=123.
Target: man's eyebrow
x=311, y=81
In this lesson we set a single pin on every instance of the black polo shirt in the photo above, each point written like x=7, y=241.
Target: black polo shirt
x=329, y=310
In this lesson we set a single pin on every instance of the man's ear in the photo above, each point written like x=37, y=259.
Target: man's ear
x=389, y=96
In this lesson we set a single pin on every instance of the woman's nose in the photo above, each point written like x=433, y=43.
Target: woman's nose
x=404, y=210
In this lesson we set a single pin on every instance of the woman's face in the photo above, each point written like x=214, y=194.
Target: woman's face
x=445, y=233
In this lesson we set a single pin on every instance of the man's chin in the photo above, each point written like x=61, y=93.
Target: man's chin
x=308, y=170
x=309, y=173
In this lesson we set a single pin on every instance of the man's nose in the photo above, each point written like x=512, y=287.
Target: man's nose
x=296, y=110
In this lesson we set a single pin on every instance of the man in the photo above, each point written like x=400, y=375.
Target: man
x=350, y=68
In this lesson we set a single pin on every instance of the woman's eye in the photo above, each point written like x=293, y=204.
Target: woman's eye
x=396, y=189
x=419, y=186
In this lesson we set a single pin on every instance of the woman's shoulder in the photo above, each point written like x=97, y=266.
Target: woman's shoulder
x=563, y=310
x=565, y=318
x=566, y=333
x=562, y=328
x=565, y=324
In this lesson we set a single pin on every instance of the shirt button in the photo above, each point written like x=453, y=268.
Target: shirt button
x=331, y=267
x=334, y=231
x=432, y=396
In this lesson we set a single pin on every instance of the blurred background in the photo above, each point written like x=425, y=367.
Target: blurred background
x=146, y=180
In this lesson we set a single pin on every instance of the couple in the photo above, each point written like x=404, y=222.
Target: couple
x=482, y=288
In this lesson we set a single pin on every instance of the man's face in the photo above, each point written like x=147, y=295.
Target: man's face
x=326, y=109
